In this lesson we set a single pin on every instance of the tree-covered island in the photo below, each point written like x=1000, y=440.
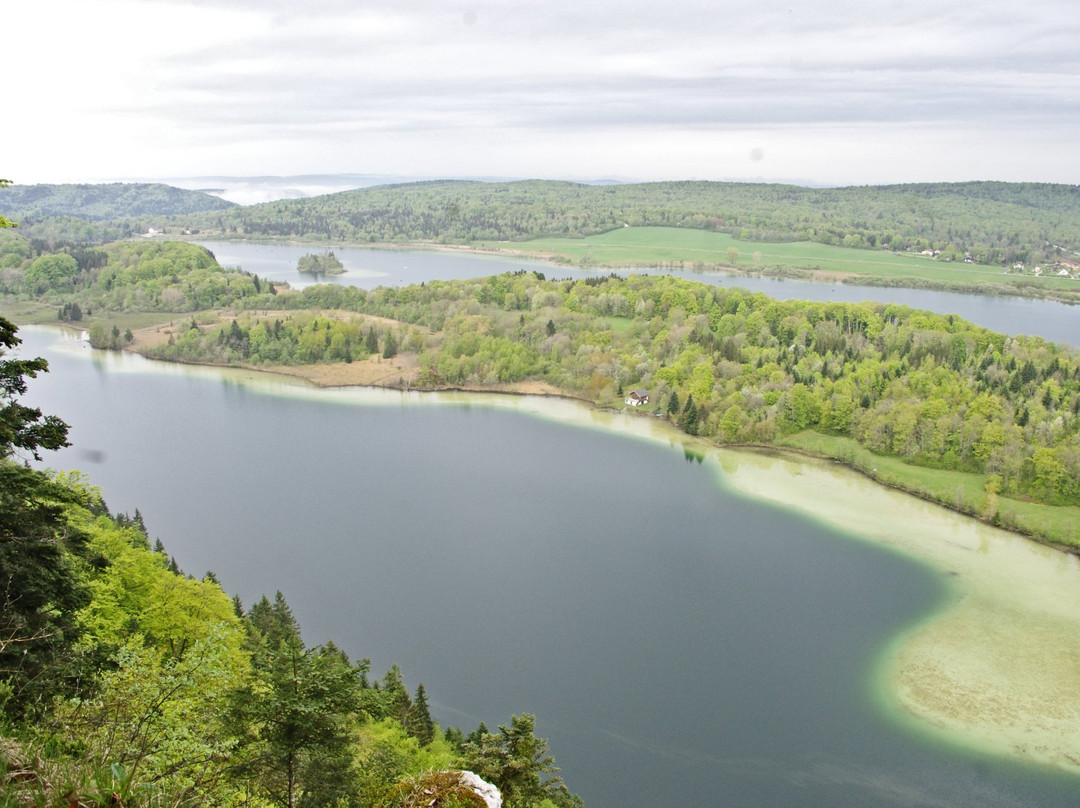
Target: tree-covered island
x=320, y=264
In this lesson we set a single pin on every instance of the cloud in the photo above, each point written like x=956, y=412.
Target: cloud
x=200, y=72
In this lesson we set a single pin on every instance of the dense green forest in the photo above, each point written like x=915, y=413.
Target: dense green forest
x=993, y=222
x=98, y=213
x=145, y=275
x=125, y=682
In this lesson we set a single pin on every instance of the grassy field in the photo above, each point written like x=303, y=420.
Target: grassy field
x=29, y=312
x=655, y=246
x=956, y=489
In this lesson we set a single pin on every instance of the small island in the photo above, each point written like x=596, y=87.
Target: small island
x=326, y=264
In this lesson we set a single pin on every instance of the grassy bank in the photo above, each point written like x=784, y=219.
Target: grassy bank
x=962, y=491
x=666, y=246
x=31, y=312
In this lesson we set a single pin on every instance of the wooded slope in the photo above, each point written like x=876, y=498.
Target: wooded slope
x=99, y=202
x=995, y=222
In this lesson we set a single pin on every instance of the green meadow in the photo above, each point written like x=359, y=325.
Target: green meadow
x=963, y=491
x=665, y=246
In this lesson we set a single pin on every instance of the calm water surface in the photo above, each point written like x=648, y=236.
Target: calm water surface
x=680, y=645
x=368, y=268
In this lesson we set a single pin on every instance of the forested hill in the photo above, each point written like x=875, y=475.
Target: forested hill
x=100, y=202
x=996, y=222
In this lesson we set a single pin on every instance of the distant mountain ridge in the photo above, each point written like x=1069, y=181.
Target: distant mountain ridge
x=99, y=202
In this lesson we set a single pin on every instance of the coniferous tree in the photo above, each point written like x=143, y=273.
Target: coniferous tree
x=390, y=345
x=295, y=718
x=421, y=726
x=518, y=763
x=673, y=404
x=41, y=583
x=398, y=704
x=689, y=420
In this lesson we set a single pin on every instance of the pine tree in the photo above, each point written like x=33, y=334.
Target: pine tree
x=689, y=420
x=390, y=345
x=421, y=726
x=519, y=764
x=138, y=523
x=673, y=404
x=297, y=714
x=399, y=705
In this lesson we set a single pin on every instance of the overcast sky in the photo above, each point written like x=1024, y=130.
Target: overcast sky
x=817, y=91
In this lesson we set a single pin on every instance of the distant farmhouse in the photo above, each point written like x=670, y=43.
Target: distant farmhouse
x=637, y=397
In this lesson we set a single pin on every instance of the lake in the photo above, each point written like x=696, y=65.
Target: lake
x=680, y=644
x=368, y=268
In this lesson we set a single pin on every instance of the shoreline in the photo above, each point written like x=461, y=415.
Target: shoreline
x=995, y=668
x=400, y=373
x=807, y=274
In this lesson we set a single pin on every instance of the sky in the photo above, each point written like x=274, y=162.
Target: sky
x=829, y=92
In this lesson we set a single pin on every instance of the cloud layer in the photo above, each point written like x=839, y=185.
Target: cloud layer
x=839, y=92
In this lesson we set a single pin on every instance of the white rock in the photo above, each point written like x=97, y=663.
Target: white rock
x=488, y=793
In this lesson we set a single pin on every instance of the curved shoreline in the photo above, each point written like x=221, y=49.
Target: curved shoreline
x=996, y=669
x=807, y=274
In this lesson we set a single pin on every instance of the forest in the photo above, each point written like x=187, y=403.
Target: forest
x=104, y=201
x=126, y=682
x=991, y=223
x=994, y=223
